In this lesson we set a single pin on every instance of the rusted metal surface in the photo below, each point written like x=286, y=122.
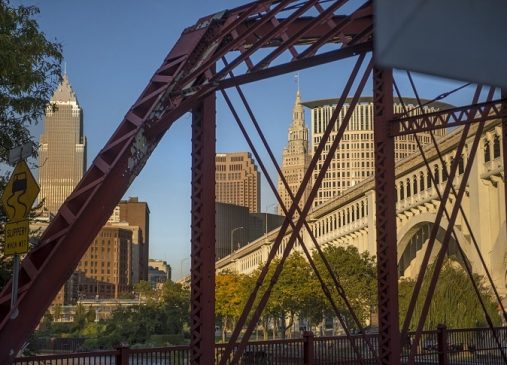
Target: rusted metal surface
x=434, y=231
x=461, y=210
x=186, y=76
x=463, y=345
x=445, y=241
x=202, y=314
x=186, y=81
x=455, y=236
x=283, y=229
x=338, y=287
x=45, y=269
x=385, y=205
x=448, y=118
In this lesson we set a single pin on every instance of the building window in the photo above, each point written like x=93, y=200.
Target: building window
x=487, y=152
x=461, y=164
x=496, y=147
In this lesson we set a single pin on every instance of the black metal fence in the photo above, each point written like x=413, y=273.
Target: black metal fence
x=461, y=346
x=457, y=346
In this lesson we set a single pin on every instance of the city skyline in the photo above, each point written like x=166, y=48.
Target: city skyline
x=108, y=85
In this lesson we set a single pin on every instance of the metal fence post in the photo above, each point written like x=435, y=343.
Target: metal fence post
x=308, y=348
x=122, y=357
x=443, y=354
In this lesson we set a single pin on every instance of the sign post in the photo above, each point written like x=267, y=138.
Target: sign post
x=17, y=199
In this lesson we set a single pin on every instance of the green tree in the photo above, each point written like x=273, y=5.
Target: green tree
x=82, y=317
x=57, y=312
x=357, y=275
x=247, y=287
x=454, y=302
x=144, y=290
x=175, y=302
x=29, y=72
x=295, y=294
x=228, y=299
x=291, y=291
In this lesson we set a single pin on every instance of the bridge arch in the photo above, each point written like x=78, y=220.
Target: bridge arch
x=413, y=239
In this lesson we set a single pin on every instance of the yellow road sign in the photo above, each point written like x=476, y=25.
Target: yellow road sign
x=20, y=193
x=16, y=237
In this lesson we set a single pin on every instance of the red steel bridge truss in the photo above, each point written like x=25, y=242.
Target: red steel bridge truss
x=222, y=52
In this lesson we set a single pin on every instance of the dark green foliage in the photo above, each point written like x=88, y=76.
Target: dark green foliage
x=167, y=314
x=298, y=292
x=454, y=302
x=356, y=273
x=29, y=72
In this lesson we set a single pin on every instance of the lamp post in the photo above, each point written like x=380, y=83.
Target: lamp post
x=232, y=236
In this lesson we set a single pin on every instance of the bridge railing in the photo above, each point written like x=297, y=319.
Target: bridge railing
x=459, y=346
x=274, y=352
x=437, y=347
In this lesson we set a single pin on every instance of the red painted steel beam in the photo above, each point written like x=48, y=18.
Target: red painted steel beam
x=453, y=190
x=454, y=213
x=283, y=229
x=336, y=282
x=434, y=230
x=296, y=65
x=449, y=118
x=385, y=204
x=202, y=316
x=46, y=268
x=350, y=30
x=277, y=242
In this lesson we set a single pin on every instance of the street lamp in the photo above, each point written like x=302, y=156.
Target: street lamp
x=232, y=236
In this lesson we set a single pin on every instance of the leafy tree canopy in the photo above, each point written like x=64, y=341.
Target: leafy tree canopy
x=29, y=72
x=454, y=301
x=144, y=290
x=356, y=273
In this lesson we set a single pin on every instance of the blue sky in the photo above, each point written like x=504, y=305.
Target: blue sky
x=113, y=47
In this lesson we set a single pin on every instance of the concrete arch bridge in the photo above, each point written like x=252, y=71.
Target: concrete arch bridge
x=350, y=218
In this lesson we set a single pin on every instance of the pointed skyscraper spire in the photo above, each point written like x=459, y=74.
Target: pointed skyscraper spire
x=64, y=92
x=298, y=113
x=296, y=157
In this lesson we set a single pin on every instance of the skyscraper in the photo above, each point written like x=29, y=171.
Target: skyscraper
x=354, y=159
x=237, y=180
x=62, y=153
x=296, y=157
